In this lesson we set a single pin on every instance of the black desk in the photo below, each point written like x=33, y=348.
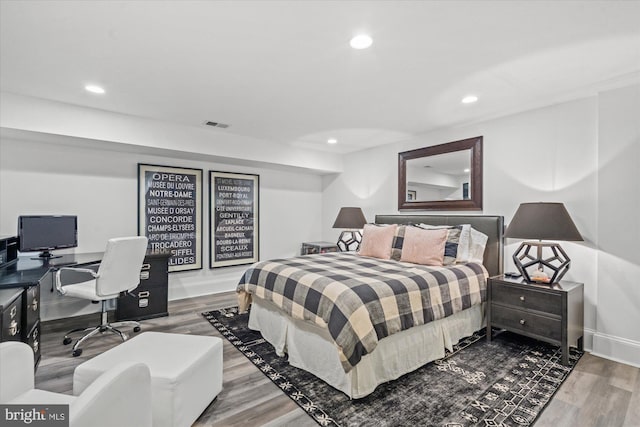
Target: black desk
x=20, y=293
x=28, y=272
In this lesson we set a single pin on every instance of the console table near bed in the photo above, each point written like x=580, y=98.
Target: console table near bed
x=550, y=313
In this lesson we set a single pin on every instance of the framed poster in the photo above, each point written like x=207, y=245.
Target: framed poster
x=465, y=191
x=170, y=213
x=233, y=218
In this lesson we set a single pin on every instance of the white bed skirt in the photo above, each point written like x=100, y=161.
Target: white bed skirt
x=311, y=348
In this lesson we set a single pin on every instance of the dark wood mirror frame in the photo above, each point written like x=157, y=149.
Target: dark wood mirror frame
x=474, y=203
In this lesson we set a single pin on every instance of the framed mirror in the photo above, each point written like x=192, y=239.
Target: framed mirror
x=441, y=177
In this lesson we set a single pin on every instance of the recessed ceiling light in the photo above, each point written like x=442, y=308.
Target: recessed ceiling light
x=94, y=89
x=332, y=141
x=469, y=99
x=361, y=41
x=467, y=170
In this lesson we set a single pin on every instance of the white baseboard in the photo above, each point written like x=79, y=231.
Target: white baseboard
x=191, y=284
x=616, y=348
x=202, y=287
x=587, y=339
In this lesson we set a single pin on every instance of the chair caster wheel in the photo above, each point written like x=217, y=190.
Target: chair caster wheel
x=66, y=341
x=77, y=352
x=136, y=329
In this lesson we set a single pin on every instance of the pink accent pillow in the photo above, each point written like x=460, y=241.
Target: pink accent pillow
x=376, y=241
x=424, y=246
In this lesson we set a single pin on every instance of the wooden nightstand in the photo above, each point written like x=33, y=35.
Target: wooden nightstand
x=318, y=248
x=550, y=313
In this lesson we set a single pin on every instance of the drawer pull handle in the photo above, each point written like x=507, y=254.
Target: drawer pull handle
x=13, y=328
x=521, y=298
x=522, y=321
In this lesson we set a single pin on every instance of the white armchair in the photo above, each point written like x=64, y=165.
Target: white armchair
x=119, y=397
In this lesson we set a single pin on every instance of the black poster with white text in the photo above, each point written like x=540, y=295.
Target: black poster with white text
x=172, y=214
x=234, y=212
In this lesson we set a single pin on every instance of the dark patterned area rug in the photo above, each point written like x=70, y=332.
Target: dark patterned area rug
x=506, y=382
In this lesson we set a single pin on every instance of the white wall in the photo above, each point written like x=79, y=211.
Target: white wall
x=69, y=122
x=584, y=153
x=618, y=294
x=100, y=186
x=548, y=154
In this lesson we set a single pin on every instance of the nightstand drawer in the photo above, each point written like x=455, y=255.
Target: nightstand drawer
x=526, y=322
x=530, y=299
x=551, y=313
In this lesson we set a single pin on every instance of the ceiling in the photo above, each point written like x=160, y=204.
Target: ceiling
x=283, y=71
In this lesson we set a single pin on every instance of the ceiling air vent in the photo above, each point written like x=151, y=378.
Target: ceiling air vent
x=217, y=125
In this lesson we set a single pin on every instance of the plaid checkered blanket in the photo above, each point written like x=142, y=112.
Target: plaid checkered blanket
x=362, y=300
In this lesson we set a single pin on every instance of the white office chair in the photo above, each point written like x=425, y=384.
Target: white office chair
x=119, y=271
x=119, y=397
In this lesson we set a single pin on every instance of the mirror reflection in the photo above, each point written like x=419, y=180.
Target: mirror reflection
x=439, y=177
x=445, y=176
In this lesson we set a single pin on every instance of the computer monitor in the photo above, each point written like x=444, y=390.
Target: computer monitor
x=47, y=232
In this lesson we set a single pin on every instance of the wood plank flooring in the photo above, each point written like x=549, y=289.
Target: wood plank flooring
x=599, y=392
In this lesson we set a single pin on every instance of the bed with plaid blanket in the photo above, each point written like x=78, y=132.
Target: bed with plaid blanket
x=361, y=300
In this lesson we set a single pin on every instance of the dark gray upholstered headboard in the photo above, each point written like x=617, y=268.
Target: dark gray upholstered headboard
x=492, y=226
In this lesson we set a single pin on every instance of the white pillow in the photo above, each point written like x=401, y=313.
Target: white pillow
x=434, y=227
x=464, y=244
x=477, y=244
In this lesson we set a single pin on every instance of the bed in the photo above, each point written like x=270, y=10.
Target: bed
x=356, y=359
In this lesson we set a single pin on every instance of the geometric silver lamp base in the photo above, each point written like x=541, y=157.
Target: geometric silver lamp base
x=349, y=241
x=558, y=262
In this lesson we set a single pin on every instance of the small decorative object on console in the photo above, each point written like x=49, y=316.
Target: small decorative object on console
x=539, y=276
